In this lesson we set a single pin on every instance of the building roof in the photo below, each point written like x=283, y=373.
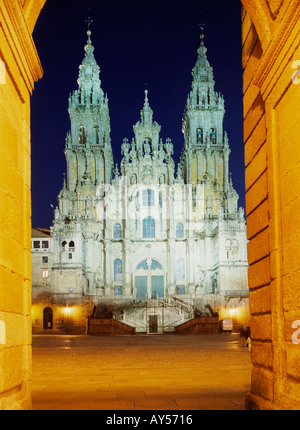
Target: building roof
x=40, y=232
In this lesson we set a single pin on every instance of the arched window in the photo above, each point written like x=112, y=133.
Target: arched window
x=180, y=269
x=117, y=231
x=179, y=230
x=96, y=134
x=142, y=265
x=228, y=244
x=71, y=246
x=64, y=245
x=148, y=197
x=160, y=199
x=118, y=269
x=213, y=135
x=235, y=245
x=199, y=135
x=155, y=265
x=148, y=228
x=214, y=285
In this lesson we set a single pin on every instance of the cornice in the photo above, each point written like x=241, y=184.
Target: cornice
x=277, y=55
x=18, y=50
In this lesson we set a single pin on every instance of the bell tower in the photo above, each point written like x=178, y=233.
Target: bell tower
x=88, y=145
x=206, y=151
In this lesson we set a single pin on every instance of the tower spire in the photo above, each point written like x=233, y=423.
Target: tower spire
x=88, y=80
x=203, y=123
x=202, y=72
x=90, y=123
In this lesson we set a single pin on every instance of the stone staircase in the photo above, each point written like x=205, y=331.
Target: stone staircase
x=156, y=316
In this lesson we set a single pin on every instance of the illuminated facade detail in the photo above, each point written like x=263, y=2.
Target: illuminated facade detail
x=145, y=231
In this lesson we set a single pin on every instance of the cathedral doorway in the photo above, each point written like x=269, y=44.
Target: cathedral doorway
x=149, y=280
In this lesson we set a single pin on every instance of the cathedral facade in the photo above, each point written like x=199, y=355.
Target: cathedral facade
x=158, y=241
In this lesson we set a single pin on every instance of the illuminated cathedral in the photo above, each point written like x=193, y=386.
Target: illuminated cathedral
x=157, y=243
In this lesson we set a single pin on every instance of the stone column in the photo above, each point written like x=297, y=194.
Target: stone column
x=19, y=69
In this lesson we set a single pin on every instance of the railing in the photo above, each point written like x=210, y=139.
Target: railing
x=184, y=306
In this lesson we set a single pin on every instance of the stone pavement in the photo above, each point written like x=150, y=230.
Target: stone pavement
x=170, y=372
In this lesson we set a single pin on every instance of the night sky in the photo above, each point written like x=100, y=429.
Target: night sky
x=135, y=42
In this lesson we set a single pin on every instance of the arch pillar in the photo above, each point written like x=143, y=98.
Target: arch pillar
x=271, y=40
x=20, y=68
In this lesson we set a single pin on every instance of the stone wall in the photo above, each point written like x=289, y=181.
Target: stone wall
x=69, y=313
x=201, y=325
x=102, y=327
x=271, y=38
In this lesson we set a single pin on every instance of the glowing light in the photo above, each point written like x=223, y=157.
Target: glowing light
x=232, y=312
x=67, y=310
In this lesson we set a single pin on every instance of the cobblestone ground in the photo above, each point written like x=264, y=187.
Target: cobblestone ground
x=171, y=372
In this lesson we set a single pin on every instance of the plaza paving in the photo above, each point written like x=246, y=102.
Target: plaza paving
x=170, y=372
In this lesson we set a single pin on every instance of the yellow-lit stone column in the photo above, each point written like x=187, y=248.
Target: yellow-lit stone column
x=271, y=39
x=20, y=67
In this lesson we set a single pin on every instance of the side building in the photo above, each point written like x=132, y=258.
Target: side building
x=41, y=263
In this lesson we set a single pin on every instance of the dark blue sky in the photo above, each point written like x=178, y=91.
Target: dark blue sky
x=135, y=42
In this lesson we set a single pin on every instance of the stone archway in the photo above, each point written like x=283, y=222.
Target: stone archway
x=271, y=39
